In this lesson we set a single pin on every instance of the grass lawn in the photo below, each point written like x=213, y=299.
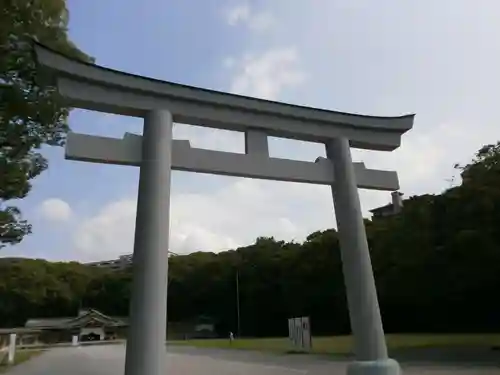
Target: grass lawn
x=343, y=344
x=21, y=356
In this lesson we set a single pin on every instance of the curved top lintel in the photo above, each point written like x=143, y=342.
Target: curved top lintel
x=258, y=112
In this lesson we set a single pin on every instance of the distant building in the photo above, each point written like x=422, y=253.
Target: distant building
x=123, y=262
x=88, y=325
x=390, y=209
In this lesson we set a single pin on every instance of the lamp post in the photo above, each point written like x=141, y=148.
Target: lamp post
x=238, y=303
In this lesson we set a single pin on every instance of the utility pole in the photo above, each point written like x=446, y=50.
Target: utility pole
x=238, y=302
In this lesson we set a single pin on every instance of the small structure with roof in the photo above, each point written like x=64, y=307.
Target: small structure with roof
x=88, y=325
x=390, y=209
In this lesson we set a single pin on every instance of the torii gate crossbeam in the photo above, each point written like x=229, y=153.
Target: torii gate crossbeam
x=161, y=103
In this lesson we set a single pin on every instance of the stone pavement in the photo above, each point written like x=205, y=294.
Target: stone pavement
x=109, y=360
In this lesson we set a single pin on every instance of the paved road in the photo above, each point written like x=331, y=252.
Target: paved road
x=109, y=360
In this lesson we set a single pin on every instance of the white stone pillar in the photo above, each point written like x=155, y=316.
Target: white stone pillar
x=146, y=350
x=369, y=342
x=12, y=348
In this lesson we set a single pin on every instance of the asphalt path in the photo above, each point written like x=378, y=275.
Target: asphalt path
x=109, y=360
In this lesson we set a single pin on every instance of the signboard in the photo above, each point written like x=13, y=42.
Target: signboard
x=299, y=333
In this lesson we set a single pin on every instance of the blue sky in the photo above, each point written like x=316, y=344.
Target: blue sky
x=437, y=59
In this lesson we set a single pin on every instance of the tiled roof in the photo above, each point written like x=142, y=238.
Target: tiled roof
x=47, y=322
x=381, y=208
x=75, y=321
x=5, y=331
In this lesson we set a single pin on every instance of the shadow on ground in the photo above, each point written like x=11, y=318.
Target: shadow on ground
x=453, y=356
x=456, y=356
x=460, y=356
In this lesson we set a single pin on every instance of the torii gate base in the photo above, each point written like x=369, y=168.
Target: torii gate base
x=160, y=103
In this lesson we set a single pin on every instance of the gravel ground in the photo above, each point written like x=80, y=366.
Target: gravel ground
x=109, y=360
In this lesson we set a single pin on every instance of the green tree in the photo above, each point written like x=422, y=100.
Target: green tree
x=31, y=114
x=484, y=165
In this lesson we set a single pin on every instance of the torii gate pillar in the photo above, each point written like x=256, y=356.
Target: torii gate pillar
x=364, y=313
x=145, y=353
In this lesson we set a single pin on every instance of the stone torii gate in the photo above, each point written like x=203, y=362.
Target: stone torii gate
x=161, y=103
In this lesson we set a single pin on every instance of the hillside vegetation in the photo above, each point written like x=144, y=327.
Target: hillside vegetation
x=437, y=268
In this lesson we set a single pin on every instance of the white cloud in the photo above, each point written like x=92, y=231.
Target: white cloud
x=55, y=209
x=243, y=15
x=228, y=62
x=425, y=160
x=199, y=137
x=237, y=14
x=107, y=234
x=267, y=75
x=229, y=217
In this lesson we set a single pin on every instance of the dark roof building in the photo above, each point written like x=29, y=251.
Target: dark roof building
x=85, y=318
x=88, y=325
x=124, y=261
x=121, y=263
x=390, y=209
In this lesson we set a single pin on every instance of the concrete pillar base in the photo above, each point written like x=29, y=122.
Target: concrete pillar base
x=379, y=367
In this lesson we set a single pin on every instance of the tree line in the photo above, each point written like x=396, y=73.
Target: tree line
x=436, y=265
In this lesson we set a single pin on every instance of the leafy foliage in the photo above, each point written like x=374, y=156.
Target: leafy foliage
x=31, y=114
